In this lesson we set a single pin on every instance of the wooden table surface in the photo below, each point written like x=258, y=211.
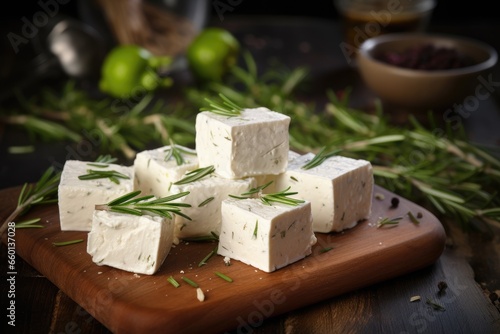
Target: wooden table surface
x=469, y=265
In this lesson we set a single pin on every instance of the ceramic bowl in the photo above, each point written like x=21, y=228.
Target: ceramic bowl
x=425, y=71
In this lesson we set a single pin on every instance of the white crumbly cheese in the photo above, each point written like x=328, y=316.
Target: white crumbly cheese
x=206, y=218
x=339, y=189
x=265, y=179
x=263, y=236
x=253, y=143
x=153, y=174
x=138, y=244
x=77, y=198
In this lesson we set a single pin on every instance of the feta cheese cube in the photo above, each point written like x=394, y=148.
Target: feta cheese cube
x=206, y=217
x=138, y=244
x=253, y=143
x=267, y=237
x=154, y=175
x=77, y=198
x=340, y=190
x=264, y=179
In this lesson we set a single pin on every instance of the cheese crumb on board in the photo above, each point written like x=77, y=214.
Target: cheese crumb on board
x=205, y=197
x=340, y=190
x=137, y=244
x=200, y=295
x=253, y=143
x=77, y=198
x=267, y=237
x=153, y=173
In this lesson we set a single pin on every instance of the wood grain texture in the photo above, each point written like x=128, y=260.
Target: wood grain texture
x=127, y=303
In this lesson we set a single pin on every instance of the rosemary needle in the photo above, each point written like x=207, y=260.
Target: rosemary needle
x=66, y=243
x=320, y=158
x=224, y=277
x=172, y=281
x=388, y=222
x=31, y=223
x=190, y=282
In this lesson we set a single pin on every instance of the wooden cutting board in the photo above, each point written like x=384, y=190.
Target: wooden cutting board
x=129, y=303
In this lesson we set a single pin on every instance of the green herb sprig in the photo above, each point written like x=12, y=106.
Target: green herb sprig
x=67, y=243
x=176, y=152
x=224, y=276
x=257, y=191
x=131, y=204
x=224, y=108
x=282, y=197
x=42, y=192
x=276, y=197
x=392, y=222
x=196, y=175
x=30, y=223
x=112, y=175
x=102, y=161
x=319, y=158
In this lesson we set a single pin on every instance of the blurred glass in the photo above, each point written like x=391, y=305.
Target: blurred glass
x=164, y=27
x=362, y=19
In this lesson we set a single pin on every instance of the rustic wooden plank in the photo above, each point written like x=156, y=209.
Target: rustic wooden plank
x=126, y=302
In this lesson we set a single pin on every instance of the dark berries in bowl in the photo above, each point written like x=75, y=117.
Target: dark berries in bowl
x=426, y=57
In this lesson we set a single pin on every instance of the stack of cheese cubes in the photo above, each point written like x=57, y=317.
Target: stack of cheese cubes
x=246, y=151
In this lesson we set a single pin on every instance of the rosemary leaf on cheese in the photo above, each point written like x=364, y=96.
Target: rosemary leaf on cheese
x=196, y=175
x=131, y=204
x=319, y=158
x=112, y=175
x=224, y=108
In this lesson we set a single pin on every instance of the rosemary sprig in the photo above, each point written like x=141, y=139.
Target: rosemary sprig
x=30, y=223
x=190, y=282
x=319, y=158
x=67, y=243
x=102, y=161
x=388, y=222
x=205, y=202
x=172, y=281
x=131, y=204
x=112, y=175
x=281, y=197
x=196, y=175
x=176, y=152
x=434, y=305
x=254, y=191
x=268, y=199
x=208, y=257
x=224, y=277
x=225, y=108
x=42, y=192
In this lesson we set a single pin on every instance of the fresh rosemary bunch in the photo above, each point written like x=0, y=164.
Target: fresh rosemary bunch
x=434, y=166
x=42, y=192
x=115, y=126
x=131, y=204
